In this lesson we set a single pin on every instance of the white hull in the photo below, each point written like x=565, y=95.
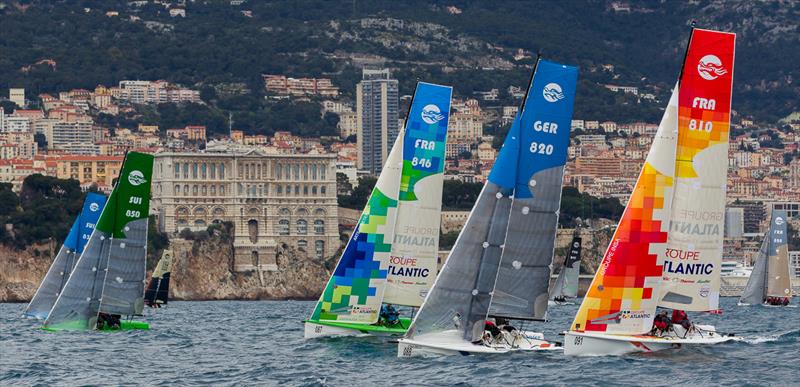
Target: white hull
x=598, y=344
x=451, y=343
x=557, y=303
x=315, y=331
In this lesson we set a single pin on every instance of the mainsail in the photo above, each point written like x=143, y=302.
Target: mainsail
x=521, y=287
x=779, y=283
x=109, y=275
x=59, y=271
x=693, y=255
x=414, y=256
x=566, y=285
x=158, y=289
x=462, y=293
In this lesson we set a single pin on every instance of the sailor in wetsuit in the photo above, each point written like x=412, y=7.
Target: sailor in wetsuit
x=109, y=321
x=389, y=315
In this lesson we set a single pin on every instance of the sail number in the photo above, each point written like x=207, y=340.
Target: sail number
x=133, y=214
x=421, y=162
x=578, y=340
x=700, y=125
x=135, y=200
x=543, y=149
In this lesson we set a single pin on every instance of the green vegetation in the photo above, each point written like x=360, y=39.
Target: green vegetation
x=221, y=52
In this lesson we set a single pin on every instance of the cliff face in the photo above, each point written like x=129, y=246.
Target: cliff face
x=200, y=272
x=22, y=270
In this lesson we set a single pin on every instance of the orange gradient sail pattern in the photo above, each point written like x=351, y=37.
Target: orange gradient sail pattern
x=621, y=297
x=693, y=255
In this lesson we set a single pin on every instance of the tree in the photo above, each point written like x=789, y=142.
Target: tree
x=343, y=186
x=358, y=198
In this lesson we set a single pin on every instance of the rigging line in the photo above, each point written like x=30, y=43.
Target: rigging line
x=686, y=53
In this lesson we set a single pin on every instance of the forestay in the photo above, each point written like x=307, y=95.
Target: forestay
x=693, y=254
x=521, y=289
x=109, y=275
x=60, y=270
x=413, y=260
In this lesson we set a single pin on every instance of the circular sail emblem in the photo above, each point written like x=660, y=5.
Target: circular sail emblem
x=136, y=178
x=552, y=92
x=779, y=221
x=431, y=114
x=94, y=207
x=710, y=67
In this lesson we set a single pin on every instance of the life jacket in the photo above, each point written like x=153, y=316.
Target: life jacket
x=678, y=316
x=661, y=324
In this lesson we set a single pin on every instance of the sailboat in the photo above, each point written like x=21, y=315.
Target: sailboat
x=667, y=249
x=770, y=279
x=501, y=262
x=391, y=257
x=59, y=271
x=157, y=292
x=108, y=278
x=566, y=285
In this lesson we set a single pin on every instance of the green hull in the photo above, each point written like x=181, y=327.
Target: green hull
x=375, y=329
x=125, y=325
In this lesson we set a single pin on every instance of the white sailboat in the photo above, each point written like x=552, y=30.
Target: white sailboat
x=391, y=258
x=565, y=289
x=500, y=265
x=770, y=282
x=667, y=249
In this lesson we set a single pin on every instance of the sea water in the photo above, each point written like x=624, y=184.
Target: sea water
x=261, y=343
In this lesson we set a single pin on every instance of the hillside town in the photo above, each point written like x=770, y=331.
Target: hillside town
x=61, y=136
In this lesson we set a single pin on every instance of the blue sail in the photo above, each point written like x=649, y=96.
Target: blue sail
x=521, y=290
x=62, y=266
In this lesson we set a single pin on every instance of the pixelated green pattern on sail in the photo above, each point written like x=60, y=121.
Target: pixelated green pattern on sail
x=358, y=265
x=423, y=149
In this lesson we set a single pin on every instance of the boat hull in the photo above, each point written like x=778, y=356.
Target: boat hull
x=124, y=325
x=602, y=344
x=450, y=343
x=318, y=329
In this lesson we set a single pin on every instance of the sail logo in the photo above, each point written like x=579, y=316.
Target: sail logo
x=136, y=178
x=779, y=221
x=710, y=68
x=552, y=92
x=94, y=207
x=431, y=114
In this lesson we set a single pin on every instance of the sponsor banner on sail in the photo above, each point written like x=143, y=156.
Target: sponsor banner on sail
x=109, y=275
x=624, y=293
x=355, y=290
x=778, y=273
x=524, y=277
x=413, y=261
x=60, y=270
x=693, y=255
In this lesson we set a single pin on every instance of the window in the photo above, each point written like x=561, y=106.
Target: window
x=322, y=190
x=297, y=171
x=314, y=190
x=213, y=190
x=302, y=244
x=186, y=190
x=213, y=170
x=194, y=170
x=279, y=190
x=283, y=227
x=177, y=189
x=319, y=248
x=305, y=171
x=203, y=169
x=322, y=172
x=302, y=227
x=297, y=190
x=177, y=170
x=203, y=190
x=185, y=170
x=222, y=171
x=319, y=227
x=305, y=190
x=194, y=190
x=221, y=190
x=314, y=172
x=278, y=170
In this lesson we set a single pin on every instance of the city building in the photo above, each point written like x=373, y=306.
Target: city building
x=271, y=199
x=17, y=96
x=88, y=170
x=282, y=85
x=376, y=106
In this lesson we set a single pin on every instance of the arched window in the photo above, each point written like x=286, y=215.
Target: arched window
x=194, y=170
x=319, y=227
x=203, y=190
x=194, y=190
x=222, y=190
x=302, y=244
x=177, y=170
x=322, y=172
x=322, y=190
x=185, y=170
x=305, y=171
x=302, y=227
x=186, y=189
x=297, y=171
x=213, y=170
x=314, y=172
x=319, y=248
x=279, y=190
x=278, y=170
x=213, y=190
x=283, y=227
x=199, y=223
x=222, y=171
x=177, y=189
x=305, y=190
x=314, y=190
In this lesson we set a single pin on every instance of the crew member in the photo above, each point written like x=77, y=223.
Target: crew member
x=679, y=317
